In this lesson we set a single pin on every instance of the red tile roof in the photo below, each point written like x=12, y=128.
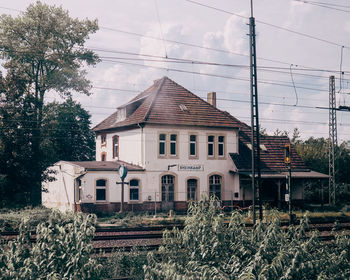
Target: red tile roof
x=160, y=104
x=271, y=160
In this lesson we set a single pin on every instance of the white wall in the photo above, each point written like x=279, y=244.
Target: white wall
x=156, y=167
x=60, y=192
x=129, y=146
x=113, y=190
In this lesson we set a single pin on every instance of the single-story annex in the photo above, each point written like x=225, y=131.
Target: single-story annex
x=176, y=147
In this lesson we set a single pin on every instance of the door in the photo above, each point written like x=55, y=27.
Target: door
x=168, y=192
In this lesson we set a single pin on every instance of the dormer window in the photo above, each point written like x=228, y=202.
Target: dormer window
x=121, y=114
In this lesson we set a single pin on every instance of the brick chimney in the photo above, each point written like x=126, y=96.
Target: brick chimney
x=211, y=98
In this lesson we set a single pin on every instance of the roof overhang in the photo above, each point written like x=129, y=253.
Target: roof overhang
x=284, y=174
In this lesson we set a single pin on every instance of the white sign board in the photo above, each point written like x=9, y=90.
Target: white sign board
x=191, y=167
x=286, y=197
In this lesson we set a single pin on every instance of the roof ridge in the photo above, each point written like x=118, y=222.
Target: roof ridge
x=161, y=83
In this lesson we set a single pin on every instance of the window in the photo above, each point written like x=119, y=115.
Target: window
x=162, y=141
x=221, y=146
x=215, y=186
x=191, y=189
x=101, y=186
x=103, y=139
x=193, y=145
x=211, y=139
x=115, y=146
x=79, y=194
x=168, y=187
x=103, y=156
x=134, y=190
x=173, y=144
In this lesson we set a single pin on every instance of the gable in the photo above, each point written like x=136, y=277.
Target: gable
x=166, y=102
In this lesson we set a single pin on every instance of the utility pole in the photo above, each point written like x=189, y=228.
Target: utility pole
x=255, y=131
x=332, y=141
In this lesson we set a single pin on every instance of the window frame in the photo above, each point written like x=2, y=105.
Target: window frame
x=164, y=142
x=196, y=192
x=138, y=187
x=173, y=142
x=195, y=156
x=213, y=146
x=223, y=146
x=104, y=154
x=105, y=187
x=114, y=145
x=167, y=145
x=103, y=140
x=216, y=184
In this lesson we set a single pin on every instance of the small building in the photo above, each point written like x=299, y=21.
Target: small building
x=176, y=147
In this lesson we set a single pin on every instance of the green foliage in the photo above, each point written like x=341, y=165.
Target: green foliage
x=62, y=250
x=17, y=123
x=124, y=264
x=67, y=133
x=10, y=220
x=207, y=249
x=314, y=152
x=43, y=50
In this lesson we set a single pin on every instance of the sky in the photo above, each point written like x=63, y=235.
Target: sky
x=203, y=45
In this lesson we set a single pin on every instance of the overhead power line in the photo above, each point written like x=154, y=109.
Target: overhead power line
x=214, y=75
x=271, y=25
x=325, y=5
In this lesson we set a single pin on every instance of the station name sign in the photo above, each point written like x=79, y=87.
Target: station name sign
x=191, y=167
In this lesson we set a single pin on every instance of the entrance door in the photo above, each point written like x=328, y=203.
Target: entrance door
x=168, y=192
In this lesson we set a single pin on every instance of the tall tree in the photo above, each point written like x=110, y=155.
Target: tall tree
x=47, y=46
x=67, y=132
x=17, y=124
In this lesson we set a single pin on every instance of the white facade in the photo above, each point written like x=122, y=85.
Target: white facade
x=140, y=146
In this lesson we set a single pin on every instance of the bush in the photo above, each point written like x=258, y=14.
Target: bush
x=208, y=249
x=62, y=250
x=10, y=219
x=124, y=264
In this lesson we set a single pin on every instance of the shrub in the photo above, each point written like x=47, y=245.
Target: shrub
x=62, y=250
x=208, y=249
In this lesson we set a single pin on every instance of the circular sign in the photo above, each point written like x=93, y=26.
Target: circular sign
x=123, y=171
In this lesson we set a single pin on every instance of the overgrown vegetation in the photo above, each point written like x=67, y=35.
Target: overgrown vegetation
x=10, y=220
x=207, y=249
x=62, y=250
x=314, y=152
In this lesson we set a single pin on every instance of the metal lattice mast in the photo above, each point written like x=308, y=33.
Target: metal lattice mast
x=332, y=141
x=255, y=135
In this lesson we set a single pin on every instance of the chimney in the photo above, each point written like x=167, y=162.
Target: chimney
x=212, y=98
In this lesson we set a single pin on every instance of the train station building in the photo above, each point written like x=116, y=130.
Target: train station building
x=176, y=147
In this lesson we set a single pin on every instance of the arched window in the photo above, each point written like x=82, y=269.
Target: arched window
x=215, y=186
x=101, y=190
x=192, y=189
x=134, y=190
x=168, y=188
x=103, y=156
x=115, y=146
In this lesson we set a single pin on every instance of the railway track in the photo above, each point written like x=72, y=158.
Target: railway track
x=110, y=238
